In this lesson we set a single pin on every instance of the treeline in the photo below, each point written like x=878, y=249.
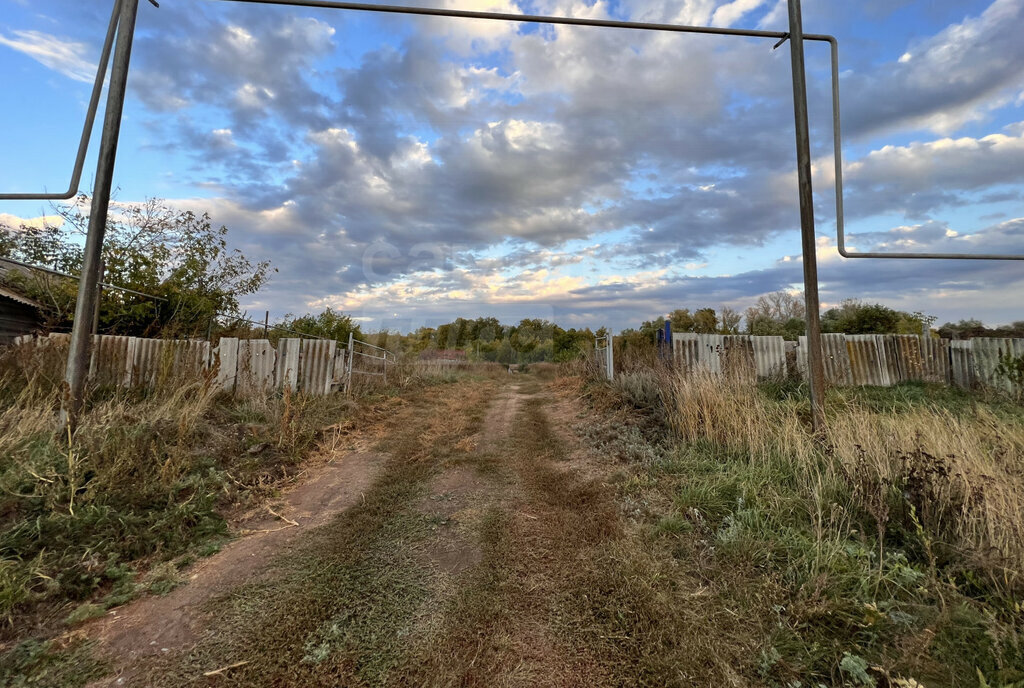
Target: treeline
x=782, y=314
x=487, y=339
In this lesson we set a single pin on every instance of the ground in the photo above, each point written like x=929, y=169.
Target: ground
x=440, y=547
x=527, y=530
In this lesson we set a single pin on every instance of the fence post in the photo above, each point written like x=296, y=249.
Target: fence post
x=610, y=357
x=81, y=330
x=351, y=356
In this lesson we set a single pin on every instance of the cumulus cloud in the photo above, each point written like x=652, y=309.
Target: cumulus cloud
x=956, y=76
x=923, y=177
x=572, y=169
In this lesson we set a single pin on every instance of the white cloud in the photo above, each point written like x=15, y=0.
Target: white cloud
x=61, y=55
x=955, y=77
x=16, y=222
x=728, y=14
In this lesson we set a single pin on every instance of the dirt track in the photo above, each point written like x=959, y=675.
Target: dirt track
x=452, y=519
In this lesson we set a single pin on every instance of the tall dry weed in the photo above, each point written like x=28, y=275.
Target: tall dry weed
x=958, y=474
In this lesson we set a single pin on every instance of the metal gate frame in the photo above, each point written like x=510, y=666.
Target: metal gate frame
x=384, y=357
x=123, y=19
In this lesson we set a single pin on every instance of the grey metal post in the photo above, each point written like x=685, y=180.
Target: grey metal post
x=610, y=357
x=815, y=364
x=81, y=335
x=99, y=299
x=351, y=362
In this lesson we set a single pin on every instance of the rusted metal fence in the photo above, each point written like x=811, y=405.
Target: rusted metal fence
x=853, y=359
x=245, y=367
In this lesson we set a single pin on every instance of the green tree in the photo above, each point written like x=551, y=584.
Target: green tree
x=856, y=317
x=149, y=247
x=705, y=321
x=681, y=320
x=329, y=324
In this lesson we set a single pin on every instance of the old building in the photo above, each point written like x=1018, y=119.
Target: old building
x=18, y=315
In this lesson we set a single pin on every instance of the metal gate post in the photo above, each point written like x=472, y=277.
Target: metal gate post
x=88, y=294
x=815, y=365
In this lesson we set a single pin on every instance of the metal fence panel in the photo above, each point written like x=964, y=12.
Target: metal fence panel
x=256, y=362
x=286, y=372
x=769, y=357
x=867, y=359
x=316, y=365
x=961, y=363
x=225, y=358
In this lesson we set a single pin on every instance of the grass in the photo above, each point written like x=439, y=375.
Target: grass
x=691, y=532
x=146, y=480
x=148, y=483
x=341, y=604
x=885, y=551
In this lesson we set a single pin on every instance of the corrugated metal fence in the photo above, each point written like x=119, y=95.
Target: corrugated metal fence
x=852, y=359
x=243, y=367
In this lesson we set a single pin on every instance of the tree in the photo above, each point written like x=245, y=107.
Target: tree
x=705, y=321
x=779, y=314
x=730, y=321
x=149, y=247
x=966, y=329
x=681, y=319
x=329, y=324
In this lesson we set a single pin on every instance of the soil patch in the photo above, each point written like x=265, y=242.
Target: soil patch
x=171, y=623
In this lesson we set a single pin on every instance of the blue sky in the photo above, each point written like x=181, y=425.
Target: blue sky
x=408, y=170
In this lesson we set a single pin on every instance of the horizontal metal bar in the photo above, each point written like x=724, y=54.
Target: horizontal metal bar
x=69, y=275
x=372, y=346
x=527, y=18
x=837, y=146
x=364, y=372
x=90, y=119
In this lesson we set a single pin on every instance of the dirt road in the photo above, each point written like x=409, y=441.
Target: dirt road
x=443, y=556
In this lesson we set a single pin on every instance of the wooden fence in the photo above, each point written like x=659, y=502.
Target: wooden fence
x=862, y=359
x=243, y=367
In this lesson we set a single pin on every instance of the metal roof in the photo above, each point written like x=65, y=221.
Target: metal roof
x=19, y=298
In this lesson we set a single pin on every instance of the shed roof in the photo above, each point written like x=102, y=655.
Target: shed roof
x=8, y=293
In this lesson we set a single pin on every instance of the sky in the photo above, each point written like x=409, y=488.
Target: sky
x=408, y=170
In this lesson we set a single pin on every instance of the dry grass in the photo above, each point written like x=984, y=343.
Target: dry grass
x=958, y=473
x=888, y=548
x=148, y=481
